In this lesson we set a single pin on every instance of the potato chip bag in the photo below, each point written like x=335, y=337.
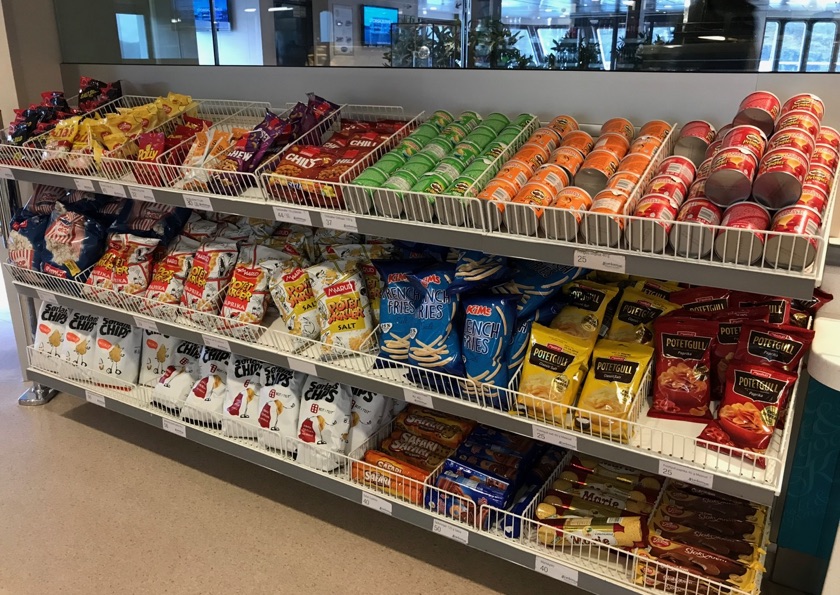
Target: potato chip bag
x=294, y=297
x=245, y=300
x=635, y=314
x=279, y=407
x=585, y=312
x=344, y=316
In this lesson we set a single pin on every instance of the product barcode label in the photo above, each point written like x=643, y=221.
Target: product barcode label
x=556, y=570
x=686, y=474
x=552, y=436
x=112, y=189
x=194, y=201
x=299, y=365
x=290, y=215
x=46, y=296
x=417, y=398
x=600, y=261
x=6, y=173
x=145, y=194
x=339, y=222
x=82, y=184
x=451, y=531
x=145, y=324
x=175, y=428
x=376, y=503
x=95, y=398
x=216, y=342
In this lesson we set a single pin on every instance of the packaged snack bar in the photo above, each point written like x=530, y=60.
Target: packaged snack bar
x=366, y=414
x=553, y=371
x=470, y=490
x=211, y=271
x=623, y=532
x=558, y=504
x=344, y=316
x=170, y=273
x=610, y=469
x=400, y=299
x=51, y=329
x=446, y=430
x=635, y=314
x=728, y=547
x=416, y=450
x=241, y=409
x=585, y=311
x=777, y=346
x=584, y=478
x=382, y=473
x=279, y=407
x=603, y=491
x=701, y=299
x=80, y=340
x=324, y=423
x=682, y=385
x=292, y=293
x=117, y=350
x=245, y=299
x=26, y=240
x=702, y=502
x=180, y=375
x=749, y=528
x=537, y=283
x=475, y=270
x=72, y=244
x=203, y=405
x=159, y=352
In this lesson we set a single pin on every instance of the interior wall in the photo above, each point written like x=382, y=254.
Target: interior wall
x=34, y=49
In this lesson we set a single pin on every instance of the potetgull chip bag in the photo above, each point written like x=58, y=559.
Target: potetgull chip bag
x=585, y=311
x=635, y=314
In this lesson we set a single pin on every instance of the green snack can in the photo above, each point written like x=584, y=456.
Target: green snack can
x=522, y=120
x=426, y=131
x=482, y=136
x=465, y=151
x=508, y=134
x=460, y=187
x=420, y=164
x=497, y=117
x=431, y=183
x=455, y=162
x=401, y=180
x=408, y=147
x=448, y=170
x=372, y=176
x=438, y=148
x=470, y=116
x=478, y=167
x=455, y=132
x=391, y=162
x=495, y=149
x=441, y=118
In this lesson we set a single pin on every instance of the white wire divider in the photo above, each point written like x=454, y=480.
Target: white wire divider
x=633, y=431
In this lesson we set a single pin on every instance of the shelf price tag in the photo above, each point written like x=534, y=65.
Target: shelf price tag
x=138, y=193
x=46, y=296
x=553, y=436
x=145, y=324
x=82, y=184
x=112, y=189
x=376, y=503
x=216, y=342
x=339, y=222
x=451, y=531
x=95, y=398
x=290, y=215
x=417, y=398
x=6, y=173
x=305, y=367
x=556, y=570
x=175, y=428
x=600, y=261
x=686, y=474
x=194, y=201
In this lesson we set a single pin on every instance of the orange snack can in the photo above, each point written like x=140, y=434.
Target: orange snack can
x=497, y=192
x=622, y=126
x=624, y=181
x=613, y=141
x=634, y=163
x=596, y=170
x=552, y=175
x=564, y=124
x=517, y=173
x=561, y=222
x=569, y=159
x=524, y=219
x=533, y=154
x=605, y=220
x=546, y=137
x=647, y=145
x=580, y=140
x=658, y=128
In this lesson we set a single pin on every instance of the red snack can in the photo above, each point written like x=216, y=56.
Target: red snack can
x=825, y=155
x=597, y=168
x=759, y=109
x=634, y=163
x=546, y=137
x=805, y=102
x=670, y=187
x=714, y=149
x=802, y=120
x=658, y=128
x=646, y=145
x=613, y=141
x=699, y=129
x=624, y=181
x=829, y=136
x=780, y=177
x=743, y=240
x=563, y=220
x=697, y=190
x=747, y=137
x=622, y=126
x=704, y=169
x=564, y=124
x=604, y=222
x=679, y=167
x=813, y=197
x=821, y=177
x=723, y=130
x=568, y=158
x=695, y=241
x=792, y=138
x=580, y=140
x=650, y=233
x=794, y=252
x=732, y=176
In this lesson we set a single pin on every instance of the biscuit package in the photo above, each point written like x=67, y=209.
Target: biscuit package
x=158, y=353
x=241, y=411
x=279, y=407
x=118, y=348
x=446, y=430
x=324, y=423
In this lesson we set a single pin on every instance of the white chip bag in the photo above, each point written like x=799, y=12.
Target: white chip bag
x=324, y=423
x=240, y=413
x=280, y=394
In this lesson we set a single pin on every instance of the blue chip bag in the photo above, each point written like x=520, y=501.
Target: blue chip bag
x=400, y=298
x=435, y=344
x=151, y=220
x=488, y=326
x=26, y=240
x=536, y=283
x=476, y=270
x=72, y=244
x=518, y=346
x=407, y=250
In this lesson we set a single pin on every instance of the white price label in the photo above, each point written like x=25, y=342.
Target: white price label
x=216, y=342
x=451, y=531
x=600, y=261
x=82, y=184
x=376, y=503
x=553, y=436
x=175, y=428
x=138, y=193
x=194, y=201
x=46, y=296
x=339, y=222
x=95, y=398
x=417, y=398
x=556, y=570
x=299, y=365
x=686, y=474
x=145, y=324
x=6, y=173
x=290, y=215
x=112, y=189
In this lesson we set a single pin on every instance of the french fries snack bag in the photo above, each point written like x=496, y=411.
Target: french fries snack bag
x=554, y=368
x=400, y=299
x=635, y=314
x=612, y=387
x=585, y=313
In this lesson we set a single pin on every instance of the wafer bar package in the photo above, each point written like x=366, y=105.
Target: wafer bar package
x=614, y=470
x=729, y=547
x=558, y=504
x=582, y=477
x=622, y=532
x=608, y=495
x=449, y=431
x=748, y=529
x=416, y=450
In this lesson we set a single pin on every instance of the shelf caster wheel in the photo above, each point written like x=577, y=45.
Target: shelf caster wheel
x=37, y=395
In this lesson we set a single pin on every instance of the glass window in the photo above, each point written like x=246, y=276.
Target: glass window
x=821, y=47
x=768, y=46
x=131, y=29
x=793, y=41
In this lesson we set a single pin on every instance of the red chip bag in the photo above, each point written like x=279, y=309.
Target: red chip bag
x=701, y=299
x=812, y=306
x=682, y=388
x=150, y=146
x=778, y=346
x=729, y=331
x=780, y=306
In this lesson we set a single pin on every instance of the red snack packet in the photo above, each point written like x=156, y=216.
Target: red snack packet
x=812, y=306
x=701, y=299
x=729, y=331
x=150, y=146
x=780, y=306
x=682, y=387
x=778, y=346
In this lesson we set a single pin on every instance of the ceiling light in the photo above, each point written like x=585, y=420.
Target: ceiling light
x=280, y=8
x=250, y=10
x=433, y=8
x=712, y=37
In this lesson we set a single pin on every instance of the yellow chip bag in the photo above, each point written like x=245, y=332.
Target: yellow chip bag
x=584, y=314
x=635, y=314
x=608, y=278
x=553, y=370
x=612, y=387
x=344, y=316
x=660, y=289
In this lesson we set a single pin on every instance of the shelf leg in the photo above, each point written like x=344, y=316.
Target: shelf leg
x=37, y=395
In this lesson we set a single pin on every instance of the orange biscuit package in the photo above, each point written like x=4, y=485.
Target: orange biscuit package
x=384, y=473
x=449, y=431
